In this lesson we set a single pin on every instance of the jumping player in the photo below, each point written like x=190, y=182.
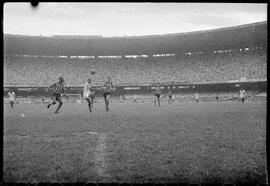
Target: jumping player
x=11, y=97
x=157, y=93
x=88, y=94
x=58, y=91
x=108, y=88
x=242, y=95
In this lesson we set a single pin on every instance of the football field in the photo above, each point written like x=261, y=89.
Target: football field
x=220, y=142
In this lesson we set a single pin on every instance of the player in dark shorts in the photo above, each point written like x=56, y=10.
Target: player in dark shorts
x=108, y=89
x=157, y=93
x=58, y=91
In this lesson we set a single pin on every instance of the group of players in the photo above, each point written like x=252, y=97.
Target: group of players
x=57, y=91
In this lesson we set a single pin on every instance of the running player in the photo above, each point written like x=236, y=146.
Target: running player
x=88, y=94
x=196, y=97
x=170, y=97
x=11, y=97
x=157, y=93
x=242, y=95
x=58, y=91
x=108, y=88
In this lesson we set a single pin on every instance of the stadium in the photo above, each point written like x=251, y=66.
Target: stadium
x=214, y=141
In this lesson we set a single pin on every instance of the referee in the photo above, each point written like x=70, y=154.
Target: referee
x=58, y=91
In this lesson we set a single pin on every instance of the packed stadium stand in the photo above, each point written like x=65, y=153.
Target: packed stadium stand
x=199, y=68
x=219, y=59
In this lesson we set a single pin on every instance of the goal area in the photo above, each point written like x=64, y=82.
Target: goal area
x=74, y=98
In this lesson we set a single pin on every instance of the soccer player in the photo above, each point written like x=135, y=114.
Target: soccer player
x=242, y=95
x=11, y=97
x=135, y=98
x=157, y=93
x=173, y=98
x=88, y=94
x=196, y=97
x=58, y=91
x=170, y=97
x=108, y=88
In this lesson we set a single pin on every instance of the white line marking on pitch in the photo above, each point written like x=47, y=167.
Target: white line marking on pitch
x=100, y=163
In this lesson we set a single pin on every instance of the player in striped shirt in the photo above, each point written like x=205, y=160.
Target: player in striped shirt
x=108, y=88
x=88, y=94
x=58, y=91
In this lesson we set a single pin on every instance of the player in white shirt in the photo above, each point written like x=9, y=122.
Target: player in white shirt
x=173, y=98
x=242, y=95
x=88, y=94
x=197, y=97
x=11, y=97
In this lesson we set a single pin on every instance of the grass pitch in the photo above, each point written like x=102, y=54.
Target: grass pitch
x=222, y=142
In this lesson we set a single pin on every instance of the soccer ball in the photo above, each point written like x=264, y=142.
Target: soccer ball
x=23, y=115
x=93, y=71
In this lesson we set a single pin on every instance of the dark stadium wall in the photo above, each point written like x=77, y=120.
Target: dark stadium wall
x=129, y=90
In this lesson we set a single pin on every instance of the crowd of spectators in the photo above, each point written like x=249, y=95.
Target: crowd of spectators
x=188, y=68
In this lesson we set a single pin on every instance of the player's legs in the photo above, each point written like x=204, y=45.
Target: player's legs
x=105, y=99
x=11, y=104
x=60, y=100
x=92, y=101
x=52, y=101
x=170, y=100
x=89, y=104
x=108, y=101
x=158, y=99
x=197, y=100
x=243, y=100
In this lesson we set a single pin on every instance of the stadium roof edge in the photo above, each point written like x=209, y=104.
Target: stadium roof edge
x=143, y=36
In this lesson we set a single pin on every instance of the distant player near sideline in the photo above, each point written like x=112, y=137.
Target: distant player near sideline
x=135, y=98
x=58, y=91
x=157, y=93
x=196, y=97
x=242, y=95
x=108, y=89
x=88, y=95
x=170, y=100
x=173, y=98
x=11, y=97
